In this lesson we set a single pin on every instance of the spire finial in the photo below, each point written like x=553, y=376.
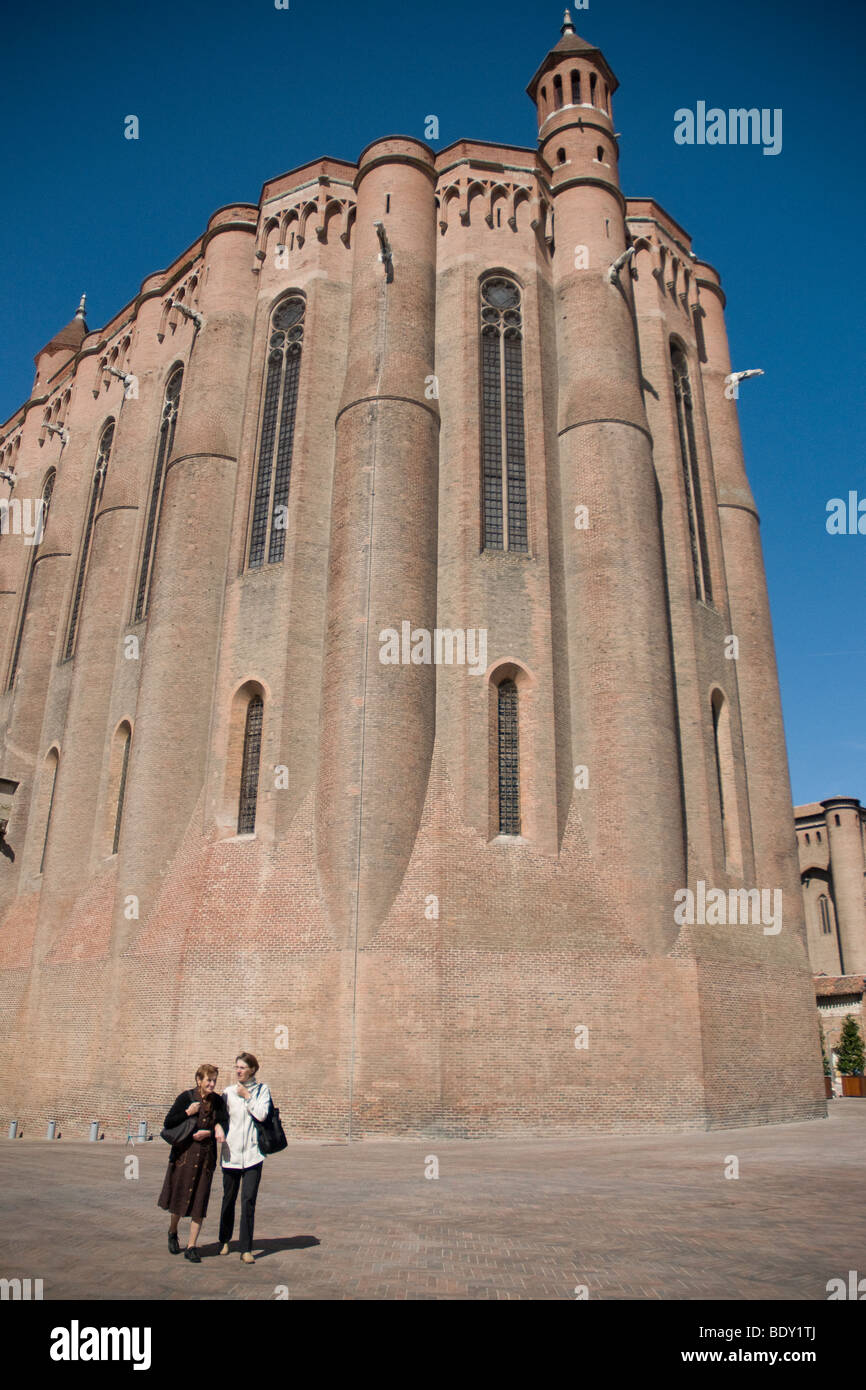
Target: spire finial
x=567, y=26
x=79, y=313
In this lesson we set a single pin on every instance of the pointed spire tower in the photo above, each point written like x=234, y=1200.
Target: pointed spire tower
x=613, y=581
x=62, y=347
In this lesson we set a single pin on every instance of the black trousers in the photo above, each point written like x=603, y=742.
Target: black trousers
x=247, y=1179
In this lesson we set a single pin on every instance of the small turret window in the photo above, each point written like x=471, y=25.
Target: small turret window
x=575, y=88
x=592, y=85
x=599, y=154
x=824, y=913
x=560, y=156
x=557, y=92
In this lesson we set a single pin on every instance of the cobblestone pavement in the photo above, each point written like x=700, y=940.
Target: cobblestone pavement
x=650, y=1217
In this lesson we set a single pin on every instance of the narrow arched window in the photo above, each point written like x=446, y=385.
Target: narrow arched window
x=171, y=403
x=276, y=434
x=824, y=914
x=557, y=92
x=575, y=88
x=124, y=733
x=250, y=767
x=103, y=454
x=40, y=523
x=691, y=475
x=592, y=85
x=51, y=776
x=509, y=759
x=725, y=779
x=503, y=459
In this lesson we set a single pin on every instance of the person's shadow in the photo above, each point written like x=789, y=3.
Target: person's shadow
x=262, y=1248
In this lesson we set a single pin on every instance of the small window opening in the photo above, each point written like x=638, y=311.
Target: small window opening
x=387, y=202
x=560, y=155
x=575, y=88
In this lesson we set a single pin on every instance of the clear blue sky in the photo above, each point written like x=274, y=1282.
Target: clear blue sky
x=229, y=94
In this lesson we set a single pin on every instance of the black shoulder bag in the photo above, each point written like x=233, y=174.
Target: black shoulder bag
x=181, y=1131
x=271, y=1135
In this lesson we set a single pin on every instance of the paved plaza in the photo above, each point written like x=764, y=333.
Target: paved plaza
x=649, y=1217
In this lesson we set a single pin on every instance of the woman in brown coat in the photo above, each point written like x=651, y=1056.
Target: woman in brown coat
x=192, y=1160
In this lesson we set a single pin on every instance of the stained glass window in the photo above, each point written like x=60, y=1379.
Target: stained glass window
x=503, y=459
x=276, y=434
x=250, y=767
x=509, y=760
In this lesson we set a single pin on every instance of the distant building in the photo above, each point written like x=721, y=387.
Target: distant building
x=831, y=839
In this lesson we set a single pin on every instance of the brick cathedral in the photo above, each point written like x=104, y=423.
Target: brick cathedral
x=474, y=397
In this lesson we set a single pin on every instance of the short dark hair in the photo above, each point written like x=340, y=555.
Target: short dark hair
x=248, y=1060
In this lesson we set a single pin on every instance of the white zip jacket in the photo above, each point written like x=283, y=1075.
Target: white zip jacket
x=241, y=1149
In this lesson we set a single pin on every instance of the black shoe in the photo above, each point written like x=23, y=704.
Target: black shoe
x=173, y=1243
x=192, y=1255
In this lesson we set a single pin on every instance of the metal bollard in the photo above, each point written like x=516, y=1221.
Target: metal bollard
x=142, y=1131
x=52, y=1129
x=13, y=1129
x=94, y=1131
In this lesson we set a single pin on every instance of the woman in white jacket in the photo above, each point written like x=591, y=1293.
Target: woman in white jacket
x=242, y=1158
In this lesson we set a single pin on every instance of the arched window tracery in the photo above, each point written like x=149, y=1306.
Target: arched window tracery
x=249, y=788
x=503, y=457
x=276, y=434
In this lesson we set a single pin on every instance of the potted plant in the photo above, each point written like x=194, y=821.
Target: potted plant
x=828, y=1070
x=851, y=1056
